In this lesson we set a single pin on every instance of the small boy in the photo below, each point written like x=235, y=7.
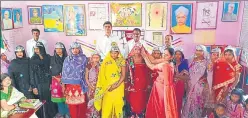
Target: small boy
x=219, y=111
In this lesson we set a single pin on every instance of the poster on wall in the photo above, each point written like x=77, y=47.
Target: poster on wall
x=75, y=20
x=181, y=18
x=34, y=15
x=17, y=18
x=156, y=16
x=53, y=18
x=126, y=14
x=206, y=17
x=230, y=11
x=98, y=14
x=6, y=18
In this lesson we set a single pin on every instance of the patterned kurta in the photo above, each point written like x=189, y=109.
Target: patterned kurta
x=234, y=110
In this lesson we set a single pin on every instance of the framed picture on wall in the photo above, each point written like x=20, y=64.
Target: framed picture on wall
x=53, y=18
x=35, y=15
x=156, y=16
x=181, y=18
x=6, y=19
x=206, y=17
x=75, y=20
x=17, y=18
x=126, y=14
x=230, y=11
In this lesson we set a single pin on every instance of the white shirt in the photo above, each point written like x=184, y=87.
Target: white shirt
x=30, y=46
x=103, y=45
x=17, y=24
x=7, y=24
x=131, y=43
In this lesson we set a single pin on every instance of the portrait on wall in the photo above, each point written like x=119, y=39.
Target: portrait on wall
x=230, y=11
x=75, y=20
x=6, y=18
x=126, y=14
x=156, y=16
x=206, y=16
x=34, y=15
x=181, y=18
x=53, y=18
x=17, y=17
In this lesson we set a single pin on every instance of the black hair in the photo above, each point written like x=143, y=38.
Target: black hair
x=246, y=101
x=35, y=30
x=3, y=76
x=137, y=29
x=240, y=93
x=107, y=23
x=229, y=50
x=171, y=51
x=183, y=57
x=218, y=105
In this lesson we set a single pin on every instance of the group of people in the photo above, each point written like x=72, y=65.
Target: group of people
x=125, y=81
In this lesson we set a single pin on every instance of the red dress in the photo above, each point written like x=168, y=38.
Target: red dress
x=223, y=77
x=162, y=102
x=137, y=88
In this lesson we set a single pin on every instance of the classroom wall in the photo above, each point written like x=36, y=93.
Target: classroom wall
x=226, y=32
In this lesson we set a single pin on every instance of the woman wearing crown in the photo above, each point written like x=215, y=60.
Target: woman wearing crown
x=109, y=91
x=226, y=73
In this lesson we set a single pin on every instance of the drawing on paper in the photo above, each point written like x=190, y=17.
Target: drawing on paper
x=98, y=14
x=6, y=18
x=34, y=15
x=17, y=17
x=53, y=18
x=156, y=16
x=181, y=18
x=206, y=17
x=75, y=20
x=230, y=11
x=126, y=14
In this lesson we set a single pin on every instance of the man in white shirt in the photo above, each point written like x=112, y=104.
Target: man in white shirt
x=168, y=41
x=7, y=22
x=103, y=43
x=136, y=39
x=32, y=42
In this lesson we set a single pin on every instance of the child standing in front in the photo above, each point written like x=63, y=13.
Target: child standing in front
x=91, y=76
x=219, y=111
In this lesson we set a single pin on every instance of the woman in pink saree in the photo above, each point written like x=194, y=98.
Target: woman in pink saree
x=194, y=105
x=162, y=102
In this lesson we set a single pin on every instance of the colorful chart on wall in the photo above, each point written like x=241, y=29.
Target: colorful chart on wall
x=35, y=15
x=75, y=20
x=156, y=14
x=6, y=18
x=53, y=18
x=98, y=14
x=17, y=18
x=206, y=17
x=126, y=14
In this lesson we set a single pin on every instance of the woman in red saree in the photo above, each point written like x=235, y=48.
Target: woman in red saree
x=162, y=102
x=226, y=74
x=138, y=82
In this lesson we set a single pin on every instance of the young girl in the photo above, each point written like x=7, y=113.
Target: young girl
x=73, y=76
x=234, y=104
x=19, y=71
x=162, y=102
x=219, y=111
x=91, y=77
x=109, y=92
x=56, y=65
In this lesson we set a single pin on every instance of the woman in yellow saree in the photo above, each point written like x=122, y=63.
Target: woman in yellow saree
x=109, y=92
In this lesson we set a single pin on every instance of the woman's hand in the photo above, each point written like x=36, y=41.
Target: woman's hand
x=92, y=87
x=114, y=86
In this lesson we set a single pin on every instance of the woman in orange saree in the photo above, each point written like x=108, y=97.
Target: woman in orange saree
x=226, y=74
x=162, y=102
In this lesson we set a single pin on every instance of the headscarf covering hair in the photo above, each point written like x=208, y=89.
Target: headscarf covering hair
x=58, y=59
x=155, y=49
x=137, y=45
x=89, y=65
x=20, y=48
x=216, y=50
x=204, y=49
x=114, y=47
x=41, y=47
x=232, y=50
x=238, y=92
